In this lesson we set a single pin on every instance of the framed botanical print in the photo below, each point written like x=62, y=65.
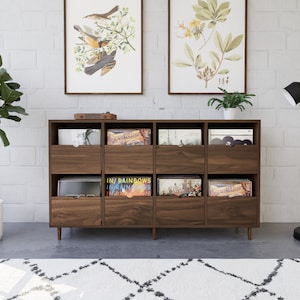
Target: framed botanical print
x=103, y=46
x=207, y=46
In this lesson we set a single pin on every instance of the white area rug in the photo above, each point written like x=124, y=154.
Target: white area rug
x=145, y=279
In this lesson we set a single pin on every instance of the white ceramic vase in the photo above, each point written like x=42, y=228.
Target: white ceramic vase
x=230, y=113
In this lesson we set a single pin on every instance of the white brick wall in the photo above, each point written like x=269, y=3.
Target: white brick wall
x=31, y=44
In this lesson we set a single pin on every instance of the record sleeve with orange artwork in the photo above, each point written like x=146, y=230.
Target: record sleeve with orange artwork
x=230, y=188
x=130, y=137
x=128, y=186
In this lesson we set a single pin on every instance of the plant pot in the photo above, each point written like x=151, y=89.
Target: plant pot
x=230, y=113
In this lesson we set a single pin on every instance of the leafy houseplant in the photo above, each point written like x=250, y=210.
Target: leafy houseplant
x=231, y=100
x=8, y=95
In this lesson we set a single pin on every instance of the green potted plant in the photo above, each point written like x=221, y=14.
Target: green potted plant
x=9, y=94
x=231, y=102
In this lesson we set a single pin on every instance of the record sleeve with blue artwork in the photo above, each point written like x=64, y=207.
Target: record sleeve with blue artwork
x=129, y=186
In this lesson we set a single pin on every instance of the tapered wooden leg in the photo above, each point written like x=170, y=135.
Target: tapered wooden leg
x=249, y=233
x=154, y=231
x=59, y=233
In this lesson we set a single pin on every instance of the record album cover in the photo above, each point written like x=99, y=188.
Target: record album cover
x=230, y=188
x=179, y=137
x=129, y=137
x=128, y=186
x=183, y=186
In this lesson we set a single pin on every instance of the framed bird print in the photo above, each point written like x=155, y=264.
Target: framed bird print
x=207, y=46
x=103, y=46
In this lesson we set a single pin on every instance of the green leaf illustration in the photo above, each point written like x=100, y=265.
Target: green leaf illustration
x=211, y=24
x=214, y=55
x=235, y=43
x=181, y=64
x=234, y=57
x=209, y=11
x=222, y=20
x=212, y=5
x=227, y=41
x=223, y=10
x=219, y=42
x=202, y=4
x=204, y=14
x=214, y=65
x=223, y=72
x=189, y=52
x=199, y=63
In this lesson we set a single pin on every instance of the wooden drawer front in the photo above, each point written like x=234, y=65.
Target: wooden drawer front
x=179, y=211
x=129, y=160
x=179, y=160
x=75, y=212
x=128, y=212
x=237, y=211
x=75, y=160
x=233, y=160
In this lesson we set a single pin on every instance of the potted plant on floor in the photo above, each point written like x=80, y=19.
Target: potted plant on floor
x=9, y=94
x=231, y=102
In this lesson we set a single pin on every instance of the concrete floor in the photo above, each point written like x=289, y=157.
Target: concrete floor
x=37, y=240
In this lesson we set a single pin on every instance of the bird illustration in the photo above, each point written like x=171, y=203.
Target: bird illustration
x=106, y=63
x=105, y=16
x=92, y=40
x=108, y=67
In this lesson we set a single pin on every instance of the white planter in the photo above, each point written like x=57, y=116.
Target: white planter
x=230, y=113
x=1, y=218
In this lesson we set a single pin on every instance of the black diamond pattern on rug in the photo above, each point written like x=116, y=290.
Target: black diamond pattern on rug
x=143, y=279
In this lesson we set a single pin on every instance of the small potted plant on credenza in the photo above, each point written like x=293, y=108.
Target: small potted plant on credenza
x=231, y=103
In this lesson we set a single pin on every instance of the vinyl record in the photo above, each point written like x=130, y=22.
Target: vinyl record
x=216, y=141
x=237, y=142
x=228, y=140
x=247, y=142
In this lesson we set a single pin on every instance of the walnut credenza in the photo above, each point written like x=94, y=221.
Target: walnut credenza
x=207, y=160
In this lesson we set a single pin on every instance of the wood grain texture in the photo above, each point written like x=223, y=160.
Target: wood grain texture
x=180, y=212
x=129, y=159
x=180, y=160
x=75, y=160
x=233, y=160
x=237, y=211
x=68, y=212
x=123, y=212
